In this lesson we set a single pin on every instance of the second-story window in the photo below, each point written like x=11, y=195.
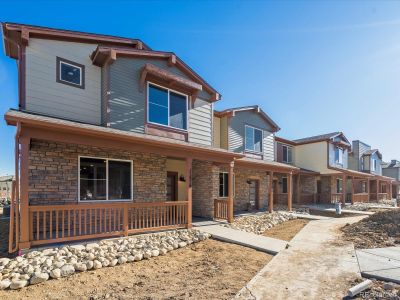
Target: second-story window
x=373, y=165
x=339, y=155
x=253, y=139
x=287, y=154
x=167, y=107
x=70, y=73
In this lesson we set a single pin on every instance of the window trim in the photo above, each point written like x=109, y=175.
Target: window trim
x=168, y=90
x=374, y=164
x=245, y=138
x=341, y=150
x=107, y=178
x=60, y=60
x=283, y=156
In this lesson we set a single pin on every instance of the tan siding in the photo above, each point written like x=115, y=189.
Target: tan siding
x=46, y=96
x=217, y=132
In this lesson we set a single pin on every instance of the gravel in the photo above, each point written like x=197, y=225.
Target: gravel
x=260, y=223
x=53, y=263
x=364, y=206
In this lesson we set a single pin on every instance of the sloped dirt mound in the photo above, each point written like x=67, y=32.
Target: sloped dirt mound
x=379, y=230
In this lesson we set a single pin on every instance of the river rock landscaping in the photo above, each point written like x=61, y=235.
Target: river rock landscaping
x=365, y=206
x=381, y=229
x=260, y=223
x=39, y=266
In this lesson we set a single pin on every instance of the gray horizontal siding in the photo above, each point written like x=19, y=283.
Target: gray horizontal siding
x=237, y=133
x=128, y=101
x=46, y=96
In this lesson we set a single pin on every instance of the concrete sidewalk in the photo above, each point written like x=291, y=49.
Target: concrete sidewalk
x=380, y=263
x=247, y=239
x=344, y=210
x=317, y=265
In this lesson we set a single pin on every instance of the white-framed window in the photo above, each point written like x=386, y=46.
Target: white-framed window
x=70, y=73
x=103, y=179
x=373, y=165
x=253, y=139
x=284, y=185
x=339, y=155
x=167, y=107
x=224, y=184
x=287, y=153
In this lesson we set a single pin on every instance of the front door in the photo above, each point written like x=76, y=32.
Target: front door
x=172, y=186
x=253, y=194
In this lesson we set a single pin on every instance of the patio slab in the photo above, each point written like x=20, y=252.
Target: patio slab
x=380, y=263
x=246, y=239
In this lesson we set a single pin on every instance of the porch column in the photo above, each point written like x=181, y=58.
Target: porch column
x=298, y=195
x=390, y=191
x=368, y=182
x=377, y=189
x=352, y=190
x=230, y=192
x=189, y=161
x=289, y=180
x=24, y=197
x=344, y=183
x=271, y=192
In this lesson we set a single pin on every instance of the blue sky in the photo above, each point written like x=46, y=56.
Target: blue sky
x=314, y=67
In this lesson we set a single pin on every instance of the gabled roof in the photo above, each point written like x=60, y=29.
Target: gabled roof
x=256, y=108
x=16, y=33
x=6, y=178
x=392, y=164
x=371, y=152
x=322, y=137
x=104, y=53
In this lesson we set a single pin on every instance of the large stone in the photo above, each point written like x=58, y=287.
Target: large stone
x=81, y=267
x=4, y=261
x=5, y=284
x=39, y=277
x=122, y=260
x=67, y=270
x=55, y=273
x=97, y=264
x=89, y=265
x=18, y=284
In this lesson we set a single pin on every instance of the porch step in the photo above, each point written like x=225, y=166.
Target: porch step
x=246, y=239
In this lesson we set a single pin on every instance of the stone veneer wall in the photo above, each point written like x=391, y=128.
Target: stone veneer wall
x=242, y=189
x=53, y=172
x=327, y=187
x=205, y=184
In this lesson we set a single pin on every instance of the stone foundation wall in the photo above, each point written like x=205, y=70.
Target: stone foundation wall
x=53, y=172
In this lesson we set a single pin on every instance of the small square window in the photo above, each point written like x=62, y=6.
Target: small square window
x=70, y=73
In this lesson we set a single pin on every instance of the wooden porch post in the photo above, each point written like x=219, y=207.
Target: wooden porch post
x=344, y=184
x=369, y=196
x=390, y=190
x=189, y=162
x=290, y=178
x=352, y=190
x=377, y=189
x=298, y=195
x=24, y=186
x=271, y=192
x=230, y=192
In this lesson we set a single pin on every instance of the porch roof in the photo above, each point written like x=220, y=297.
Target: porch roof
x=266, y=165
x=353, y=173
x=384, y=178
x=67, y=131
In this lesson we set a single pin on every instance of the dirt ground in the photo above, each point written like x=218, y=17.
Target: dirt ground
x=379, y=230
x=207, y=270
x=287, y=230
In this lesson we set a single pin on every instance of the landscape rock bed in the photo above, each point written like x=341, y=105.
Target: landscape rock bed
x=296, y=210
x=260, y=223
x=38, y=266
x=365, y=206
x=381, y=229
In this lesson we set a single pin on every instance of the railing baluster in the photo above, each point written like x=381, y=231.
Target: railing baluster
x=44, y=225
x=56, y=224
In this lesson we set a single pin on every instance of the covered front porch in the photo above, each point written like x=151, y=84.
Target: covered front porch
x=381, y=188
x=79, y=182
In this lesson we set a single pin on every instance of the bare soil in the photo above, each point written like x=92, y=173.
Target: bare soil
x=379, y=230
x=207, y=270
x=286, y=230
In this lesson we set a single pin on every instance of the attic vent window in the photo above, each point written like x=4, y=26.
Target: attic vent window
x=70, y=73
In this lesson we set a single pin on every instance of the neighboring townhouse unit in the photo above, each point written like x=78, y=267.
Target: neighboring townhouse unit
x=115, y=138
x=326, y=159
x=6, y=187
x=392, y=170
x=364, y=159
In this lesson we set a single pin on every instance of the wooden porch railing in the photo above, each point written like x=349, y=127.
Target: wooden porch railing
x=361, y=197
x=308, y=198
x=336, y=197
x=383, y=196
x=60, y=223
x=220, y=209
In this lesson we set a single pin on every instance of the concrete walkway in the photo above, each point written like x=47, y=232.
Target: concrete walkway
x=251, y=240
x=330, y=209
x=317, y=265
x=380, y=263
x=309, y=217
